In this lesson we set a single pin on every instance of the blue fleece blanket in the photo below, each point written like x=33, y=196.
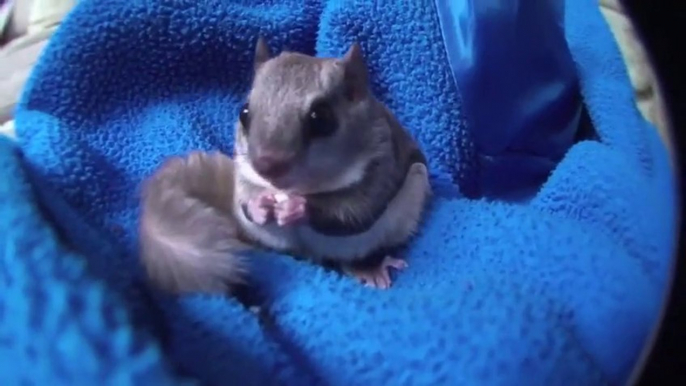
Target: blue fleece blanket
x=560, y=287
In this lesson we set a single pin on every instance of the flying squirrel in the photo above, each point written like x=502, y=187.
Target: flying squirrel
x=321, y=169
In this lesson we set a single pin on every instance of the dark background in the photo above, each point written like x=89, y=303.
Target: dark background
x=662, y=27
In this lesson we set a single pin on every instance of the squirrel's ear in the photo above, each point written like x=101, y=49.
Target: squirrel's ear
x=355, y=68
x=262, y=53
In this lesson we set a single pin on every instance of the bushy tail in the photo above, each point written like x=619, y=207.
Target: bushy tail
x=189, y=237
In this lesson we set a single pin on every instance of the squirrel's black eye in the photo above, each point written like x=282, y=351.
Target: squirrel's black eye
x=321, y=120
x=244, y=116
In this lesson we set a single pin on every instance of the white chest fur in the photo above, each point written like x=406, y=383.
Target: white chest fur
x=395, y=226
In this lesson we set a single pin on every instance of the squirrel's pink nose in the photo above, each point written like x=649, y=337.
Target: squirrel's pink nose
x=271, y=166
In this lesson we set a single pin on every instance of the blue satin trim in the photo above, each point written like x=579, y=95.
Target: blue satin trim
x=521, y=99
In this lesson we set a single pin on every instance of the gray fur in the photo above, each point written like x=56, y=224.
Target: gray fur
x=358, y=206
x=189, y=239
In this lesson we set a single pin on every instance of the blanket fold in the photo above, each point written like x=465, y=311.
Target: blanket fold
x=560, y=289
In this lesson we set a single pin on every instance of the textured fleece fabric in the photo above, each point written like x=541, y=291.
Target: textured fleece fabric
x=562, y=289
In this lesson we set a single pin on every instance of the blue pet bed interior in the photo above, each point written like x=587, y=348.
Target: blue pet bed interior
x=542, y=261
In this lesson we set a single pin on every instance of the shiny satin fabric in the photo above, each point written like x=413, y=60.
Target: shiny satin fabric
x=518, y=83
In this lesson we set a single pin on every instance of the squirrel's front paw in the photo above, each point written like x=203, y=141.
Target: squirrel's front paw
x=290, y=210
x=260, y=209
